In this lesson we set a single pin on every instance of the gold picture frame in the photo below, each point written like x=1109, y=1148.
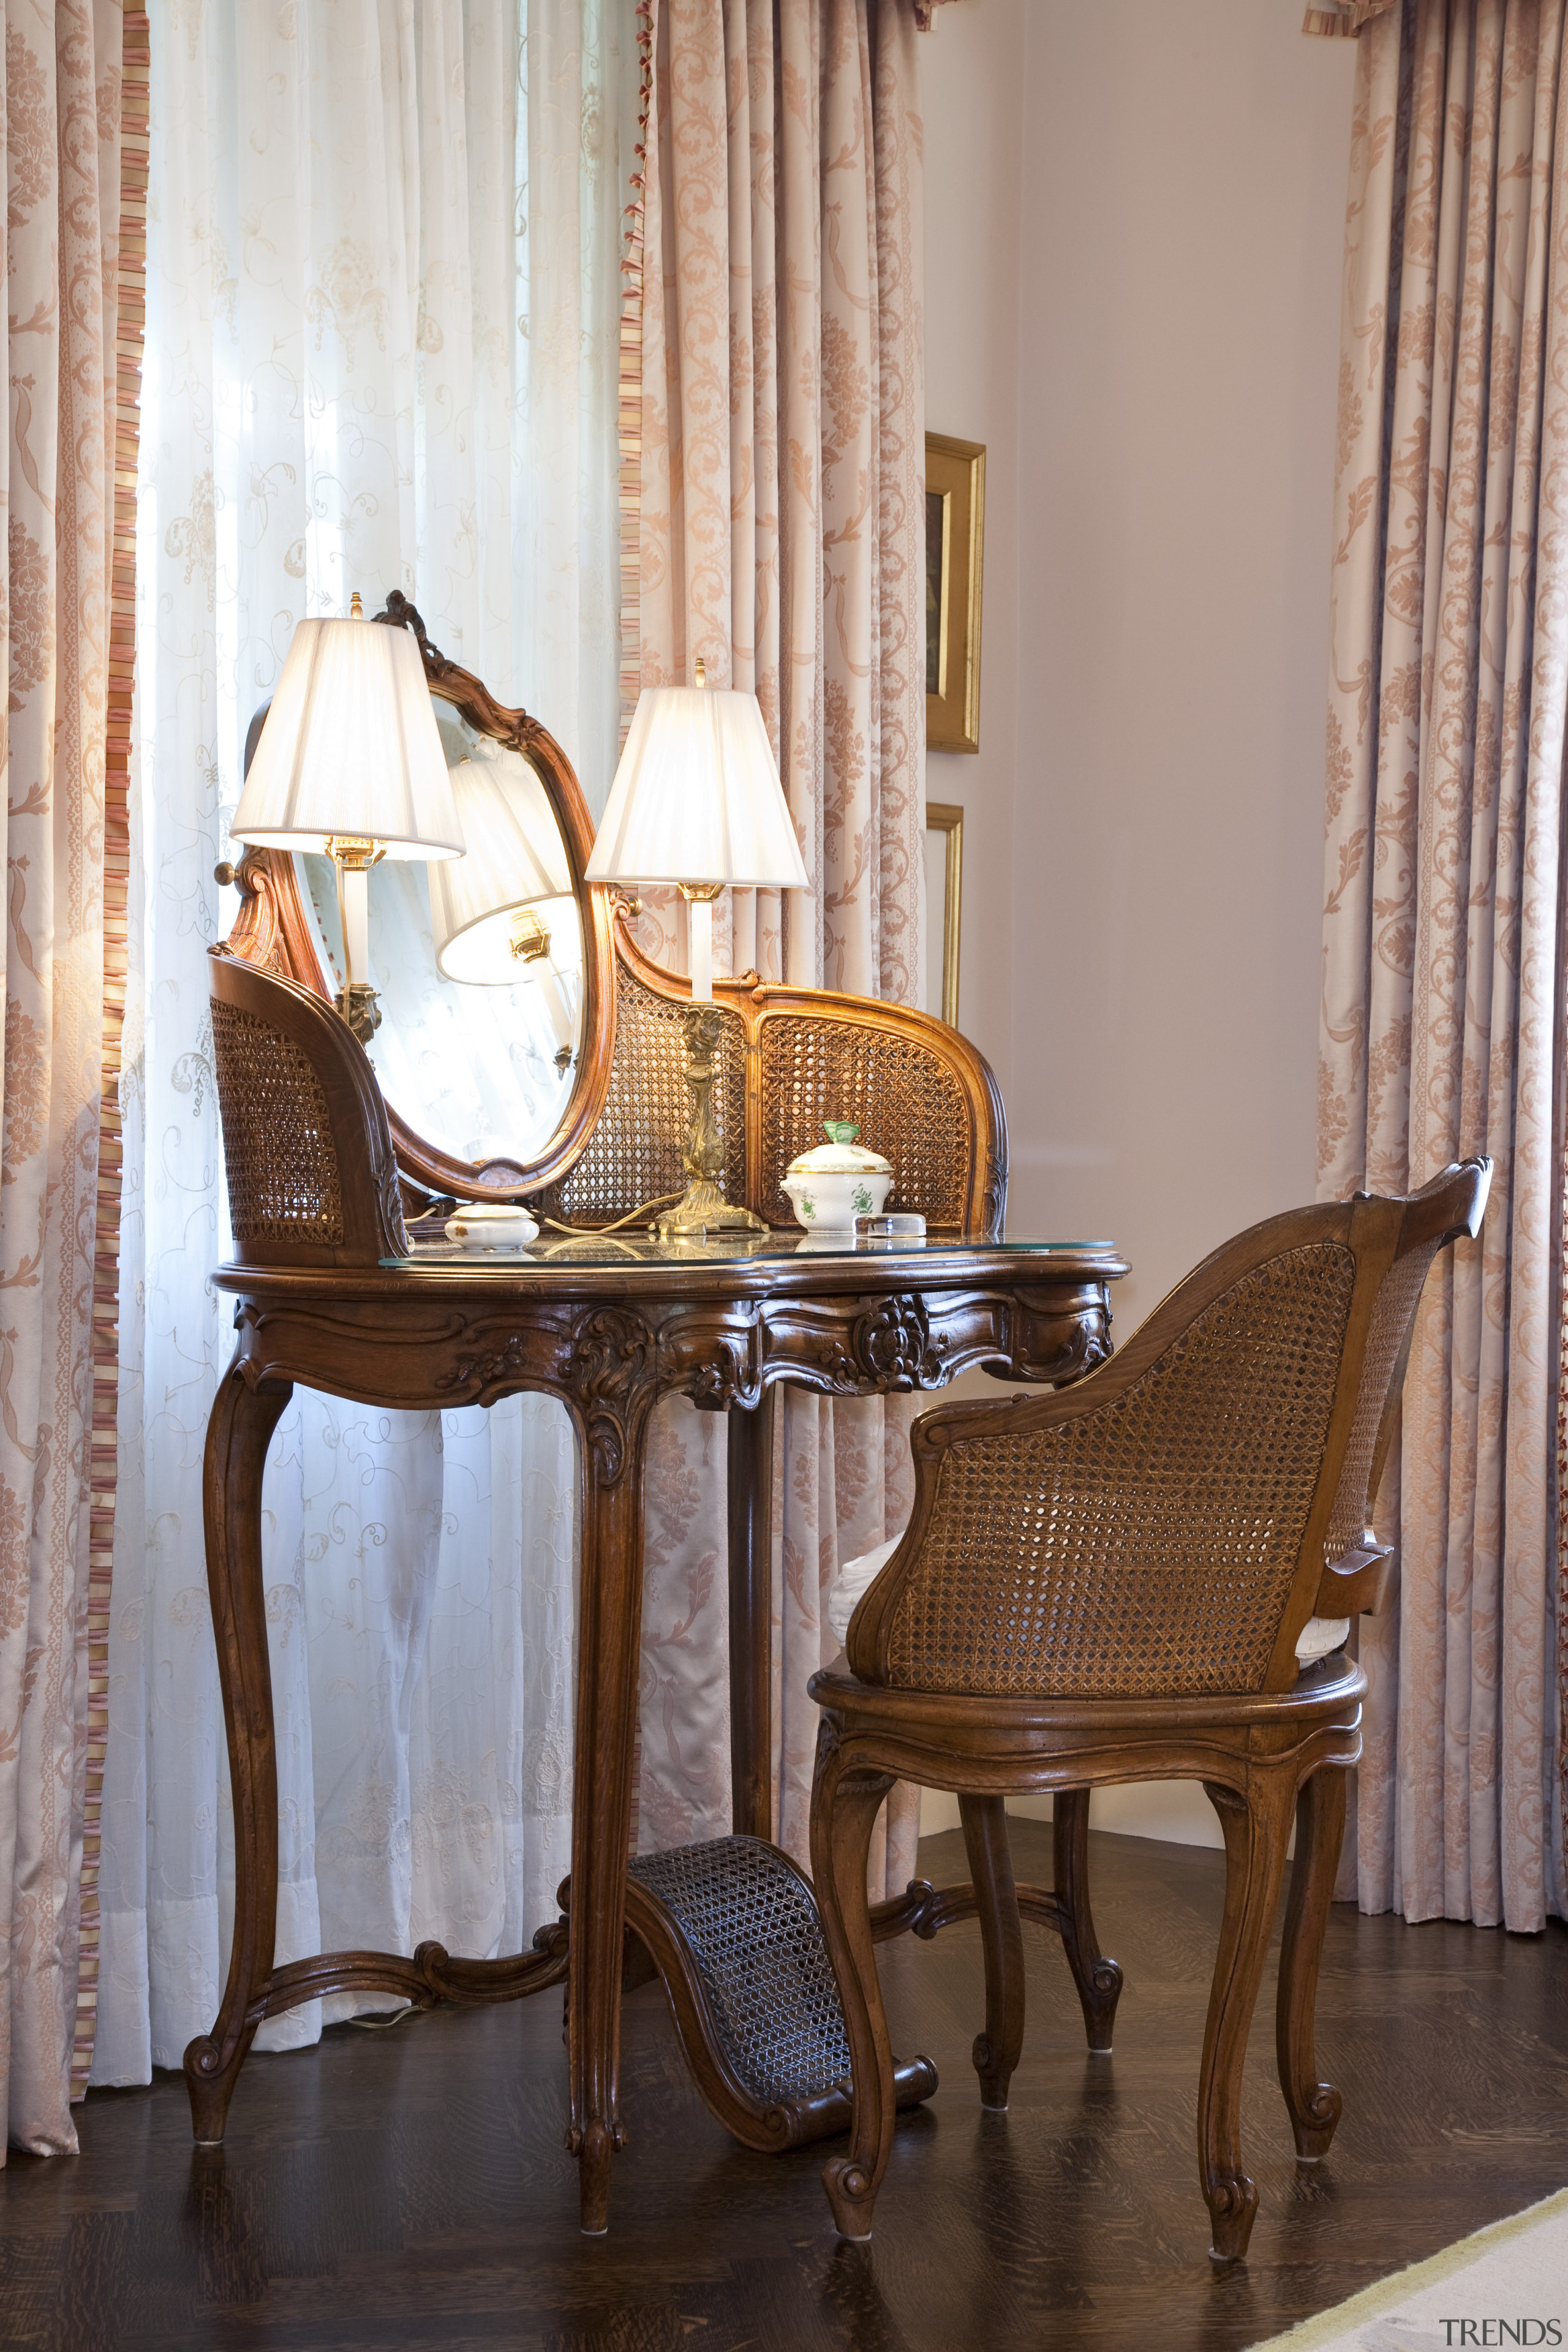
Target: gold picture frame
x=956, y=546
x=947, y=820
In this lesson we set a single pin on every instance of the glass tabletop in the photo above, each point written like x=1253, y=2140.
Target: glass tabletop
x=783, y=1244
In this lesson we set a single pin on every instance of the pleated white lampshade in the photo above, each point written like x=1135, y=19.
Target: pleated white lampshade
x=350, y=749
x=697, y=796
x=516, y=859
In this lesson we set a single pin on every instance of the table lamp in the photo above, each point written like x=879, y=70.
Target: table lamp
x=508, y=905
x=505, y=915
x=697, y=801
x=350, y=762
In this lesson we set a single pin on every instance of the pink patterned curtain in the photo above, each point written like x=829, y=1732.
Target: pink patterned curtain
x=783, y=455
x=62, y=80
x=1442, y=963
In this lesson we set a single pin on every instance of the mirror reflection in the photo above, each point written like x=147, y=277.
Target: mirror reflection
x=477, y=962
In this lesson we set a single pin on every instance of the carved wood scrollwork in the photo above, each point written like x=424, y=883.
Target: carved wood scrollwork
x=490, y=1368
x=448, y=679
x=610, y=1368
x=891, y=1348
x=1086, y=1345
x=729, y=1377
x=995, y=1205
x=390, y=1191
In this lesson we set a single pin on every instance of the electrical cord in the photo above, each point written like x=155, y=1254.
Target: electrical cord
x=597, y=1232
x=419, y=1226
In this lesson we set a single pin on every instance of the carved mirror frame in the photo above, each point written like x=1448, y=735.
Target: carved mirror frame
x=273, y=930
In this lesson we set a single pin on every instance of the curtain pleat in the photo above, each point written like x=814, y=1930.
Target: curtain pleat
x=62, y=72
x=130, y=305
x=1442, y=972
x=782, y=539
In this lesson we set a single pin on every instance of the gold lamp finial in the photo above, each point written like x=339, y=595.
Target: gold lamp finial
x=701, y=673
x=357, y=610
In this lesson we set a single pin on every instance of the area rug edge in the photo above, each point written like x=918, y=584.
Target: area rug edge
x=1383, y=2294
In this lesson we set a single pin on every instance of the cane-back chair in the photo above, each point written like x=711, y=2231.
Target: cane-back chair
x=1111, y=1583
x=312, y=1176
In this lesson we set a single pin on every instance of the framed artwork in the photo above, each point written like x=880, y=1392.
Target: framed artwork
x=944, y=885
x=955, y=541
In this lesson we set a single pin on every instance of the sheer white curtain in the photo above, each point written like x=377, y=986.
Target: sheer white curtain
x=382, y=306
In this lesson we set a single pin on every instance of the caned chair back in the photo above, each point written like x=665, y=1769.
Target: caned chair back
x=907, y=1094
x=789, y=1059
x=633, y=1153
x=312, y=1179
x=1169, y=1525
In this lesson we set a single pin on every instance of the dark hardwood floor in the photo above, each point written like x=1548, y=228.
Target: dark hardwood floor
x=410, y=2189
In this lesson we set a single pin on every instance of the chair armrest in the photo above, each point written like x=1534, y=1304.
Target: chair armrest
x=1360, y=1585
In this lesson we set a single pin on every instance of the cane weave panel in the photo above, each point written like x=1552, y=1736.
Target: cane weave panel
x=1150, y=1546
x=1392, y=1310
x=908, y=1104
x=278, y=1143
x=752, y=1930
x=634, y=1153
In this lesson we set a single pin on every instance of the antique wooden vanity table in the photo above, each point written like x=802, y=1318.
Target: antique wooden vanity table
x=330, y=1290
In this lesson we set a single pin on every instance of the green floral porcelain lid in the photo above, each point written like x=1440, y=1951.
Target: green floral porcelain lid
x=841, y=1155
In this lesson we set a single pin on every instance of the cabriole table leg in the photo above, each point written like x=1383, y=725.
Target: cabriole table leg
x=607, y=1637
x=243, y=1420
x=751, y=1476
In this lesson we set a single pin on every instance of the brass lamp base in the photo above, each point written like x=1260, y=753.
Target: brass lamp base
x=360, y=1006
x=703, y=1209
x=356, y=1000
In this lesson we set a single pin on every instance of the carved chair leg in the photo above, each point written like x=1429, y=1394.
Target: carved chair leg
x=996, y=2053
x=1098, y=1979
x=243, y=1420
x=843, y=1806
x=1257, y=1829
x=1319, y=1830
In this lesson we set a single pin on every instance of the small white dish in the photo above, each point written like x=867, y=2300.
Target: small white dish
x=841, y=1181
x=491, y=1226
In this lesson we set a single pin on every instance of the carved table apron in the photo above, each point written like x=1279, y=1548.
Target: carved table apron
x=608, y=1329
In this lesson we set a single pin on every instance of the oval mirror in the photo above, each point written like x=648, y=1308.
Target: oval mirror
x=494, y=971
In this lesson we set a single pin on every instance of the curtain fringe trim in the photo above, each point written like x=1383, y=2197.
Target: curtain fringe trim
x=629, y=419
x=129, y=335
x=630, y=427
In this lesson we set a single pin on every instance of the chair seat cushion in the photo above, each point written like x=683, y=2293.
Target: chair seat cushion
x=1319, y=1636
x=852, y=1580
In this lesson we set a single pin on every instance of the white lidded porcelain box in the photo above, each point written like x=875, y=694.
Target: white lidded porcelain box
x=838, y=1181
x=488, y=1226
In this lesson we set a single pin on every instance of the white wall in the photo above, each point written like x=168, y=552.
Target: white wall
x=976, y=142
x=1134, y=222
